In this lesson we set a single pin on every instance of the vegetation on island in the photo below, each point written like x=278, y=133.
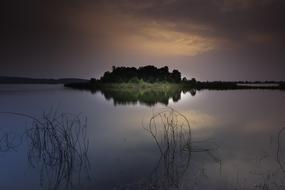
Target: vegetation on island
x=147, y=85
x=148, y=74
x=131, y=77
x=151, y=76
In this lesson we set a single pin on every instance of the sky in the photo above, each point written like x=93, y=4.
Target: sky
x=205, y=39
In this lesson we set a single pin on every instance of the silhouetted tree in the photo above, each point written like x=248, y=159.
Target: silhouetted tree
x=147, y=73
x=93, y=80
x=176, y=75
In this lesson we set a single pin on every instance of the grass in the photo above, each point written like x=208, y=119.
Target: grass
x=133, y=92
x=147, y=93
x=127, y=85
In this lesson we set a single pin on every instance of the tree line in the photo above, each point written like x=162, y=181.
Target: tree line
x=146, y=73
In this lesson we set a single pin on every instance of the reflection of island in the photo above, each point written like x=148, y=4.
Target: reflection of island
x=143, y=93
x=148, y=96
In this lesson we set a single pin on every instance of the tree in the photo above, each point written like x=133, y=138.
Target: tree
x=92, y=80
x=147, y=73
x=134, y=80
x=176, y=76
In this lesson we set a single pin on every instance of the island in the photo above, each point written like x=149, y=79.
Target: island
x=151, y=85
x=151, y=77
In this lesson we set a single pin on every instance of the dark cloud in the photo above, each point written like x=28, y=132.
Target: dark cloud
x=44, y=19
x=234, y=19
x=53, y=34
x=237, y=20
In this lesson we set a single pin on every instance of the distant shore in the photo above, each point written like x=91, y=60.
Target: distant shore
x=94, y=85
x=215, y=85
x=26, y=80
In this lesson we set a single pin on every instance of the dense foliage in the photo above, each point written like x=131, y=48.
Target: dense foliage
x=147, y=73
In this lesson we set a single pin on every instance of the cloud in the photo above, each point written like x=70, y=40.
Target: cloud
x=162, y=41
x=179, y=27
x=123, y=32
x=228, y=19
x=144, y=32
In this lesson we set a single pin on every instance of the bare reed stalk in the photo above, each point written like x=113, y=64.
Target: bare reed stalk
x=58, y=145
x=171, y=132
x=278, y=159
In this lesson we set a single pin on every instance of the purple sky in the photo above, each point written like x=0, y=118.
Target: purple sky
x=206, y=39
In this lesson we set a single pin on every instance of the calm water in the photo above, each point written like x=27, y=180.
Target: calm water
x=236, y=141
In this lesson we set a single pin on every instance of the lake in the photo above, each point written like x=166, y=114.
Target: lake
x=204, y=140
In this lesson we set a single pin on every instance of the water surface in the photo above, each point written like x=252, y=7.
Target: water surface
x=236, y=140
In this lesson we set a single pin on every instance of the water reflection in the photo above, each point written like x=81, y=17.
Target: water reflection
x=146, y=96
x=8, y=141
x=245, y=125
x=171, y=133
x=57, y=147
x=274, y=177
